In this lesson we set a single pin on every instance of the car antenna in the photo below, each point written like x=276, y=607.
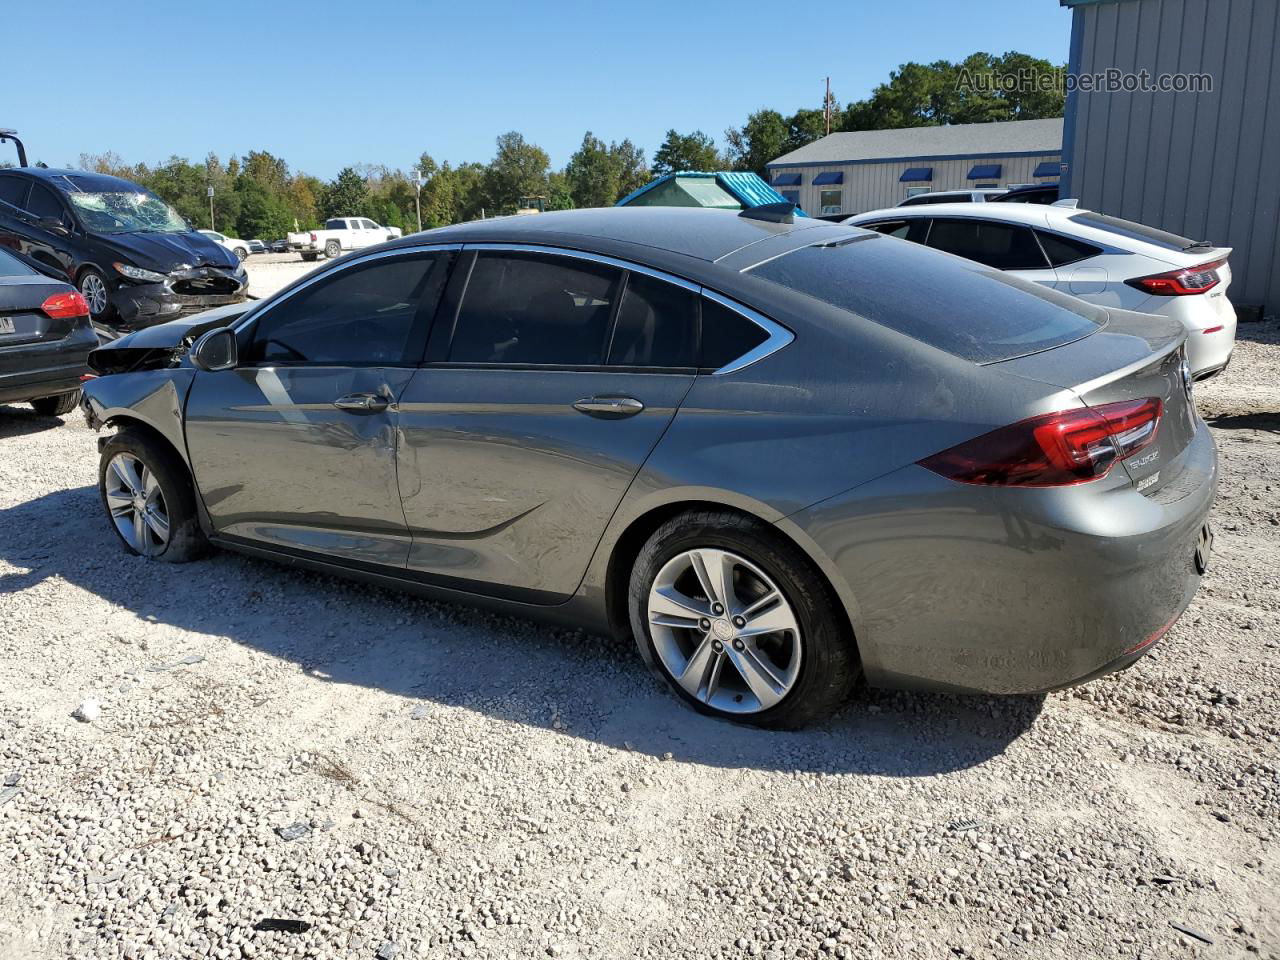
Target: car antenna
x=784, y=212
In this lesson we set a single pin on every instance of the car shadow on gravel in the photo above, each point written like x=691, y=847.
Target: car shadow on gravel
x=18, y=421
x=439, y=656
x=1266, y=422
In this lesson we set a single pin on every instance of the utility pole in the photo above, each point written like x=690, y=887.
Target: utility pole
x=826, y=107
x=211, y=226
x=417, y=183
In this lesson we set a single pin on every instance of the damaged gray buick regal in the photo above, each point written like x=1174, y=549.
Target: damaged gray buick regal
x=777, y=452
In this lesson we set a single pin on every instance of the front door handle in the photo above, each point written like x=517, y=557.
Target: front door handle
x=362, y=403
x=609, y=407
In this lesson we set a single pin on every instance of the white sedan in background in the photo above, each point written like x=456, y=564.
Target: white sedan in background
x=1101, y=259
x=239, y=247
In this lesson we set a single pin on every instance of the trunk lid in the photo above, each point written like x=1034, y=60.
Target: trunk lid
x=22, y=322
x=1135, y=356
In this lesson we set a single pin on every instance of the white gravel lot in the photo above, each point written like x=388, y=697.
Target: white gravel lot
x=268, y=272
x=463, y=785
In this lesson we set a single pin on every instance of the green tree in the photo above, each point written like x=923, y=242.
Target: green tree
x=758, y=141
x=804, y=126
x=633, y=171
x=592, y=174
x=559, y=193
x=345, y=196
x=518, y=169
x=263, y=213
x=681, y=151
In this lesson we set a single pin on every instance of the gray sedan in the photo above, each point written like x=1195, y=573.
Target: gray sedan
x=778, y=453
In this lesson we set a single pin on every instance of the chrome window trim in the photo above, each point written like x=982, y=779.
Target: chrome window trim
x=591, y=257
x=778, y=335
x=267, y=305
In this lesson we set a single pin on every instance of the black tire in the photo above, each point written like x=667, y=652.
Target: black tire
x=829, y=663
x=242, y=254
x=332, y=249
x=311, y=257
x=186, y=540
x=57, y=405
x=87, y=283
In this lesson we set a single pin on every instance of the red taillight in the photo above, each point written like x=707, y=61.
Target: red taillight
x=86, y=377
x=1180, y=283
x=313, y=238
x=1054, y=450
x=62, y=305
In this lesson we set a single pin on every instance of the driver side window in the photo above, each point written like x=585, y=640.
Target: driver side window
x=369, y=314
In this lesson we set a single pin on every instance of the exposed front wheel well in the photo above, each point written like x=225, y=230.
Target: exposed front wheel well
x=633, y=539
x=141, y=426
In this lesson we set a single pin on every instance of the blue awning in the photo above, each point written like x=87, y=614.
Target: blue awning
x=985, y=171
x=917, y=175
x=824, y=179
x=786, y=180
x=1050, y=168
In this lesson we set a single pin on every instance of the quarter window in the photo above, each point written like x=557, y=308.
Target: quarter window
x=1000, y=245
x=368, y=314
x=1064, y=250
x=726, y=335
x=535, y=309
x=657, y=325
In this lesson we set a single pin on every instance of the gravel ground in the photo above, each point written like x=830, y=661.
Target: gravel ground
x=284, y=765
x=268, y=272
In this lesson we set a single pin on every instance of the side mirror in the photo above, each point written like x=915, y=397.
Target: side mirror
x=53, y=225
x=215, y=350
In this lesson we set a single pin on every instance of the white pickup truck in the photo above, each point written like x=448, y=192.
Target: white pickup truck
x=339, y=235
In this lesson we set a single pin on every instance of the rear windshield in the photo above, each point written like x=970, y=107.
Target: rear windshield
x=11, y=266
x=1134, y=231
x=949, y=303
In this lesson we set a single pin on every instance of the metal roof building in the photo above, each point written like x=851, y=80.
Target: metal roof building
x=855, y=172
x=1193, y=162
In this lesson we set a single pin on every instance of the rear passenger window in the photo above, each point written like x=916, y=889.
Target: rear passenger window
x=893, y=228
x=13, y=190
x=1000, y=245
x=1064, y=250
x=657, y=325
x=726, y=335
x=535, y=309
x=367, y=314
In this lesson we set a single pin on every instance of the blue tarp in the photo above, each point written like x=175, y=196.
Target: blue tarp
x=985, y=171
x=824, y=179
x=917, y=175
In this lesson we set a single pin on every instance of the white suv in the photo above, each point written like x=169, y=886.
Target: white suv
x=1101, y=259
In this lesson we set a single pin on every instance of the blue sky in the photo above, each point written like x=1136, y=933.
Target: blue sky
x=327, y=84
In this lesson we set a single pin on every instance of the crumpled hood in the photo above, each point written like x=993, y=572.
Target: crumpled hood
x=164, y=252
x=171, y=335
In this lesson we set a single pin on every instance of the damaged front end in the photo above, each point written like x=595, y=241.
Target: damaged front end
x=143, y=378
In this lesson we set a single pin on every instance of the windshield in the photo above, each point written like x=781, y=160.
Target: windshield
x=126, y=212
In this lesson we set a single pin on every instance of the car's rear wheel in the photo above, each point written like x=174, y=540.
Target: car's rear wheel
x=739, y=623
x=93, y=287
x=148, y=497
x=332, y=249
x=57, y=405
x=241, y=254
x=310, y=257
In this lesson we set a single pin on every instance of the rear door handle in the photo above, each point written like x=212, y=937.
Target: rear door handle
x=362, y=403
x=609, y=407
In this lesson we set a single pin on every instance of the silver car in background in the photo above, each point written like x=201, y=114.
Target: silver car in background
x=778, y=453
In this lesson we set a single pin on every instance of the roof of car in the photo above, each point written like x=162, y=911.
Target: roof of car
x=691, y=232
x=84, y=179
x=1016, y=212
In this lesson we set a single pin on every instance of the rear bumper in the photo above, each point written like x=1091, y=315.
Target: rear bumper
x=44, y=369
x=969, y=589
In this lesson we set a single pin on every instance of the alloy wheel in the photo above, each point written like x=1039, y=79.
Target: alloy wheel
x=94, y=292
x=724, y=631
x=136, y=504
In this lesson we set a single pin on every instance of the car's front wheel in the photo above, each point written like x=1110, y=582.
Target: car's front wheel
x=738, y=622
x=93, y=287
x=148, y=497
x=332, y=249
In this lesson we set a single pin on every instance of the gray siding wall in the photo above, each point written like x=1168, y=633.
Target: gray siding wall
x=1204, y=165
x=871, y=186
